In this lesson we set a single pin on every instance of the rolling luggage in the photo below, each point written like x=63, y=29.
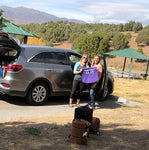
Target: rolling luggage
x=79, y=131
x=95, y=126
x=84, y=112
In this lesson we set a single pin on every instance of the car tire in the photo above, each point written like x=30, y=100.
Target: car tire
x=103, y=94
x=38, y=93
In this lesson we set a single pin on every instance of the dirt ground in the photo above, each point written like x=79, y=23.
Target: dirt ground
x=122, y=128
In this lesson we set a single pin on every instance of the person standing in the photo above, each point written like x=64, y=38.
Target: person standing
x=95, y=63
x=77, y=81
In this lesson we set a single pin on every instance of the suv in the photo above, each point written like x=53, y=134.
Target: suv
x=37, y=72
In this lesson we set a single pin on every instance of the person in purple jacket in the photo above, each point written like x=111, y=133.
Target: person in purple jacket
x=77, y=81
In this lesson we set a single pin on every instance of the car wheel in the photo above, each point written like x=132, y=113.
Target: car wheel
x=103, y=94
x=38, y=93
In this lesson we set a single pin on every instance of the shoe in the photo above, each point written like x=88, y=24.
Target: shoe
x=77, y=105
x=70, y=105
x=91, y=106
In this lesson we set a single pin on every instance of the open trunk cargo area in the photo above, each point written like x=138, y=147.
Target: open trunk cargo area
x=9, y=51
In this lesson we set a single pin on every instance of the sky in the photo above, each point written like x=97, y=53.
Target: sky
x=90, y=11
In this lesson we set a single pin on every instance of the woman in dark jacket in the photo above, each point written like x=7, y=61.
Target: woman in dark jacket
x=77, y=81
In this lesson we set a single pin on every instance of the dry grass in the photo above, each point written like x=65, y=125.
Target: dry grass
x=122, y=128
x=136, y=90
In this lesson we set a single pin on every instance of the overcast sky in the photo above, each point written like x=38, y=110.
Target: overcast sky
x=91, y=11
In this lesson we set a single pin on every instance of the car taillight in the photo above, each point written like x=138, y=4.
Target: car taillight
x=12, y=67
x=5, y=84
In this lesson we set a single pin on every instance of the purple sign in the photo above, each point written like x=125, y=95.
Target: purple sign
x=90, y=75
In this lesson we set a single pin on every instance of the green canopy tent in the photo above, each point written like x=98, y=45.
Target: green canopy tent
x=12, y=28
x=129, y=53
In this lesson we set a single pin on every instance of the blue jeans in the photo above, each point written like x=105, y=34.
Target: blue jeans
x=92, y=97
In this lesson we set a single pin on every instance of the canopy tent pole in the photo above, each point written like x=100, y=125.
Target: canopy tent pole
x=130, y=67
x=25, y=39
x=147, y=69
x=107, y=61
x=124, y=66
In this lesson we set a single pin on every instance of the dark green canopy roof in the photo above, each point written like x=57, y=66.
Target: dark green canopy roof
x=128, y=53
x=12, y=28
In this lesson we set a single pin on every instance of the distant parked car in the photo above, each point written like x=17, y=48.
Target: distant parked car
x=37, y=72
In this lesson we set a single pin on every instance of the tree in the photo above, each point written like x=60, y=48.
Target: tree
x=143, y=36
x=120, y=27
x=128, y=36
x=140, y=51
x=120, y=41
x=129, y=26
x=77, y=41
x=1, y=20
x=137, y=27
x=73, y=36
x=94, y=44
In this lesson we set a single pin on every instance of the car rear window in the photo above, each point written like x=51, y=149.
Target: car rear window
x=51, y=57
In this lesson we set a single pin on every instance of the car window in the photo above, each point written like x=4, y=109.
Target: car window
x=74, y=58
x=51, y=57
x=61, y=58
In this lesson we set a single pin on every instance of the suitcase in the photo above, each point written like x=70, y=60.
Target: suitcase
x=95, y=126
x=84, y=112
x=79, y=131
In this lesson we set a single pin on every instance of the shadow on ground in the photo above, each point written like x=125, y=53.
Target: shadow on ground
x=45, y=136
x=110, y=102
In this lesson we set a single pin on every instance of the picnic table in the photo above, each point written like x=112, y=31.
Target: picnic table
x=133, y=75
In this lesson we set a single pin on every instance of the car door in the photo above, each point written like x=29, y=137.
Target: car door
x=59, y=72
x=8, y=41
x=102, y=84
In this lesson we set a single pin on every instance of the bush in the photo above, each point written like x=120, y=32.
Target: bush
x=96, y=43
x=143, y=36
x=140, y=51
x=120, y=41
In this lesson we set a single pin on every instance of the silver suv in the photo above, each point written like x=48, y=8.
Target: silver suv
x=37, y=72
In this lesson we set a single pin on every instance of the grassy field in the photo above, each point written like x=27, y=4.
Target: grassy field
x=122, y=128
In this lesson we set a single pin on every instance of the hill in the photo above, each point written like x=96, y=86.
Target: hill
x=28, y=15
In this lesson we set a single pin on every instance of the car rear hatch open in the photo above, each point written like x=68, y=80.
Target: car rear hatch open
x=9, y=51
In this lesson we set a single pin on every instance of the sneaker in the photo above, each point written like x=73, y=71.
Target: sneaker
x=77, y=105
x=91, y=106
x=70, y=105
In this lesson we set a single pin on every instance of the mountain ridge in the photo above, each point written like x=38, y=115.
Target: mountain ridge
x=29, y=15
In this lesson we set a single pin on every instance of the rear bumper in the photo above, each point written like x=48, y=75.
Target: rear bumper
x=1, y=92
x=4, y=90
